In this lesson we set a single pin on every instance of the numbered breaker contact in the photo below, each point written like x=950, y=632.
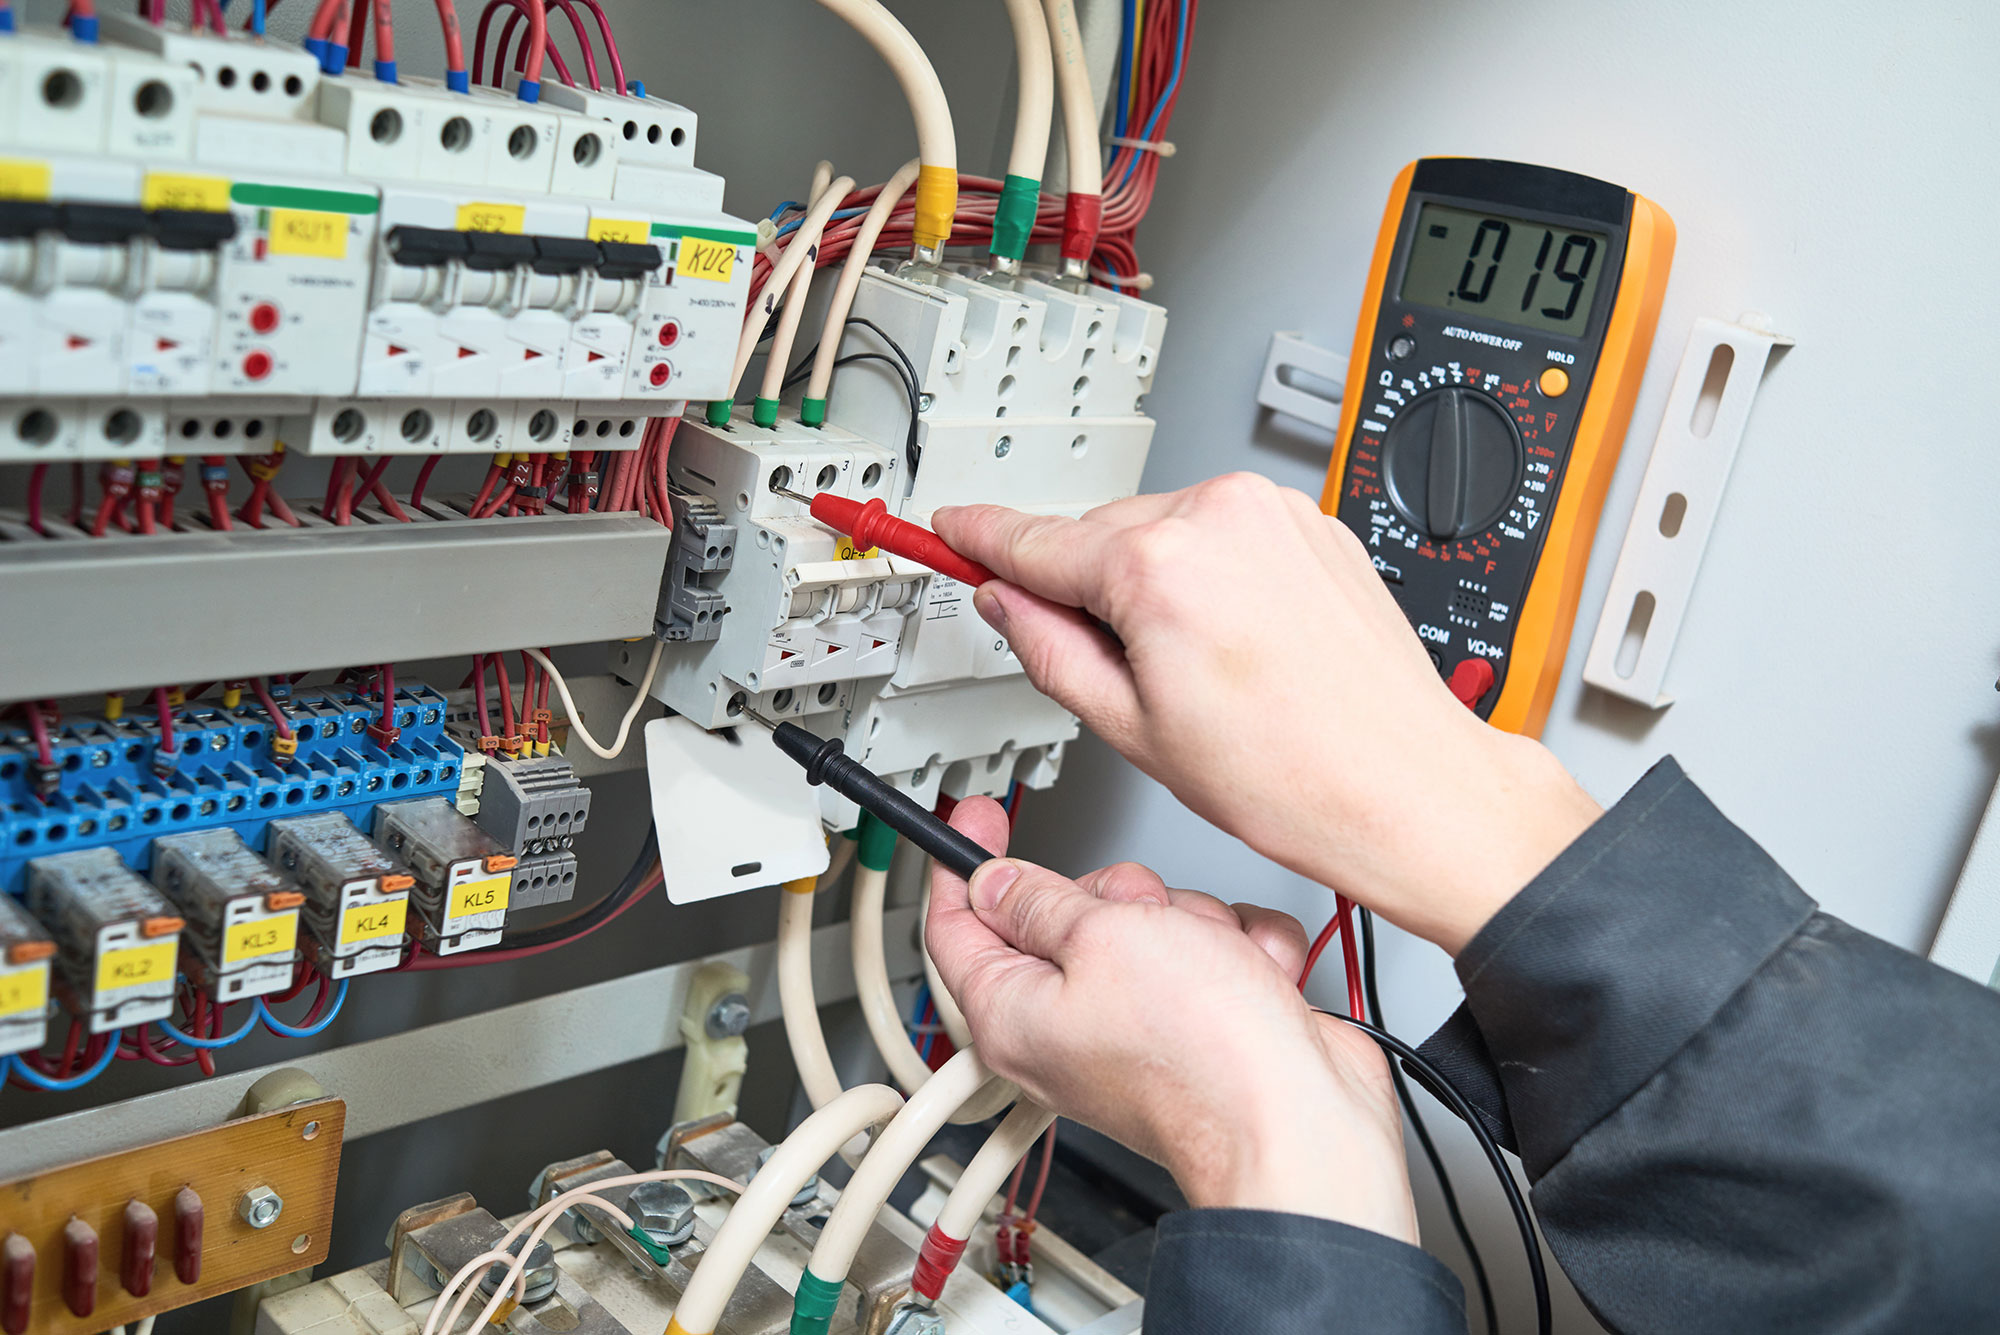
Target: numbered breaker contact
x=26, y=956
x=357, y=895
x=242, y=930
x=118, y=938
x=463, y=874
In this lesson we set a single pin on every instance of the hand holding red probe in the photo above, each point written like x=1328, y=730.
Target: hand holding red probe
x=871, y=525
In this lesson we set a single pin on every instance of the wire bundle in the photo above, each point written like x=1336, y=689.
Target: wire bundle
x=537, y=42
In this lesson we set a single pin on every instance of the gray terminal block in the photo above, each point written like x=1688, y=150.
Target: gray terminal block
x=242, y=914
x=118, y=939
x=26, y=956
x=533, y=806
x=548, y=879
x=691, y=603
x=357, y=894
x=463, y=875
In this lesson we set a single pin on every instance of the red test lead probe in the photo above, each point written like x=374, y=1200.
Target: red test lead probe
x=871, y=525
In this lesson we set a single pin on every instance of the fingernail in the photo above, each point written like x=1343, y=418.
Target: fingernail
x=991, y=609
x=991, y=882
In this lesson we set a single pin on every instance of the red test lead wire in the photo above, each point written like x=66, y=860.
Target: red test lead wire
x=871, y=525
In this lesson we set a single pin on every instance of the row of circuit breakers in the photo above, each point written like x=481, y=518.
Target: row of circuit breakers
x=126, y=860
x=206, y=242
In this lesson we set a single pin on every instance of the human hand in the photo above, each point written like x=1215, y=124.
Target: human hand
x=1268, y=678
x=1173, y=1023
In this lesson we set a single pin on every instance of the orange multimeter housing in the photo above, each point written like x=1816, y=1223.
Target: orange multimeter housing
x=1501, y=343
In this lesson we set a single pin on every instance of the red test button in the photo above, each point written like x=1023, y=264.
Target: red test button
x=257, y=365
x=660, y=374
x=263, y=317
x=1470, y=681
x=670, y=333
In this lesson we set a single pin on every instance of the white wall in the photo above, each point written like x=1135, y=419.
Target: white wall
x=1828, y=163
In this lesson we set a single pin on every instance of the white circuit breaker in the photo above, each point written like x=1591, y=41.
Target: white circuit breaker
x=199, y=247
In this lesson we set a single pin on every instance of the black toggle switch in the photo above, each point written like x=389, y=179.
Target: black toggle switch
x=627, y=259
x=104, y=224
x=193, y=229
x=564, y=254
x=492, y=251
x=425, y=247
x=24, y=218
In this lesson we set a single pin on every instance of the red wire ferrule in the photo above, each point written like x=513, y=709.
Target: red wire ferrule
x=936, y=1259
x=1082, y=216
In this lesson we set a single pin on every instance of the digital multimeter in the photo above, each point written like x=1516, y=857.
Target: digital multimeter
x=1505, y=329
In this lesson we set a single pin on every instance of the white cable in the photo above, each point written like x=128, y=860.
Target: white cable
x=795, y=996
x=1014, y=1137
x=576, y=728
x=1079, y=109
x=780, y=355
x=758, y=1210
x=145, y=1326
x=936, y=143
x=781, y=277
x=872, y=224
x=1036, y=96
x=515, y=1284
x=891, y=1156
x=878, y=1001
x=948, y=1013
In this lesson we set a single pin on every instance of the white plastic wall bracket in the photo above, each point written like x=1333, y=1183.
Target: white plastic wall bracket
x=1303, y=381
x=1707, y=411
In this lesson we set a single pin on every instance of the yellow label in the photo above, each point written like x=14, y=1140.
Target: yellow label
x=24, y=989
x=23, y=180
x=487, y=896
x=701, y=258
x=266, y=936
x=620, y=229
x=134, y=965
x=483, y=217
x=206, y=194
x=847, y=551
x=372, y=922
x=309, y=232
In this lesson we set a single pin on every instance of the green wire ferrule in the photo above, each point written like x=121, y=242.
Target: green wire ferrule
x=812, y=412
x=1014, y=216
x=814, y=1304
x=878, y=843
x=764, y=412
x=661, y=1255
x=718, y=412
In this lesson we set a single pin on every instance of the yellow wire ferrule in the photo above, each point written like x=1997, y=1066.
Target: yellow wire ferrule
x=937, y=202
x=805, y=885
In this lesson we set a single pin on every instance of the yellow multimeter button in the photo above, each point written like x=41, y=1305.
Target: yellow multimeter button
x=1555, y=382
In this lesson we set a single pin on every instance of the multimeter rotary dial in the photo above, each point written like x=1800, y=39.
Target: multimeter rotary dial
x=1452, y=460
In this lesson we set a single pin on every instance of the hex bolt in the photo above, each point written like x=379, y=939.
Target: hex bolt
x=808, y=1190
x=729, y=1017
x=260, y=1207
x=663, y=1211
x=541, y=1274
x=911, y=1318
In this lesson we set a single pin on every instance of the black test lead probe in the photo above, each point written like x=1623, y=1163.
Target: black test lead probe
x=826, y=761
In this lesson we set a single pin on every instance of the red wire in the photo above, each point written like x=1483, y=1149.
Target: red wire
x=1041, y=1177
x=35, y=480
x=1319, y=944
x=479, y=691
x=40, y=728
x=499, y=662
x=166, y=718
x=1350, y=956
x=423, y=480
x=385, y=682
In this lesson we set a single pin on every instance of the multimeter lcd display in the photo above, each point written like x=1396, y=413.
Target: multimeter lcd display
x=1510, y=269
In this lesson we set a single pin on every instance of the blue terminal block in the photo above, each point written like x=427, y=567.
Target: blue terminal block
x=224, y=771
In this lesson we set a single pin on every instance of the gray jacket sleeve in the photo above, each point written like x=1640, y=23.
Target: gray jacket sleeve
x=1738, y=1113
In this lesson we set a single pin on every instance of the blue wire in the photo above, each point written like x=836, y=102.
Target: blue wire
x=836, y=216
x=277, y=1026
x=55, y=1086
x=1125, y=39
x=785, y=208
x=1153, y=121
x=917, y=1018
x=222, y=1042
x=257, y=10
